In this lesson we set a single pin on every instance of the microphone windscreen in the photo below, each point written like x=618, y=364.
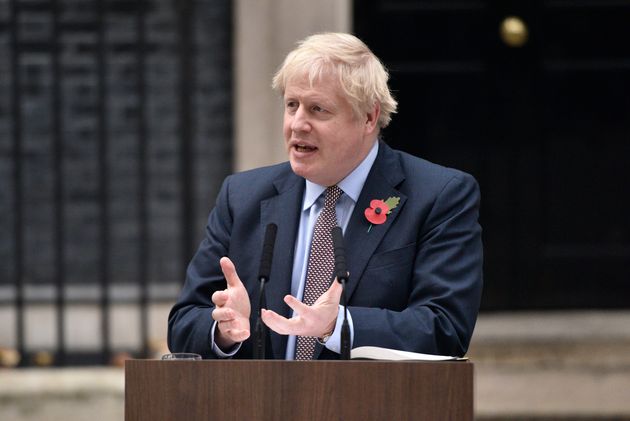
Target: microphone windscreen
x=267, y=251
x=341, y=270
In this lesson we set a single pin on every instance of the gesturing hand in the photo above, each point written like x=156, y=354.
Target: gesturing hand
x=232, y=308
x=315, y=320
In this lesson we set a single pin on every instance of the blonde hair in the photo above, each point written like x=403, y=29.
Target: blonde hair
x=362, y=76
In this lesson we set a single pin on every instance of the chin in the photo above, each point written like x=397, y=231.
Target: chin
x=303, y=171
x=299, y=169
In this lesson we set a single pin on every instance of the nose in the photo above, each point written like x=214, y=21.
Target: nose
x=299, y=122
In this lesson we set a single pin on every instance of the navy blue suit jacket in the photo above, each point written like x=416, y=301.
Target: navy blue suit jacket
x=415, y=281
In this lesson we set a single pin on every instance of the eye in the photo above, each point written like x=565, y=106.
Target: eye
x=291, y=105
x=318, y=109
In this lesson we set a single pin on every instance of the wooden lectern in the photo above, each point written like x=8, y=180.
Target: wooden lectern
x=297, y=390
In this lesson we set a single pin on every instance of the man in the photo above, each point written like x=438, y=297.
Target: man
x=414, y=255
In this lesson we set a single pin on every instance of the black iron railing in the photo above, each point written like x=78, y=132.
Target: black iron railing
x=90, y=86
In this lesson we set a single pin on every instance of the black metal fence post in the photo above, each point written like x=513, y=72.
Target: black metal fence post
x=18, y=244
x=103, y=187
x=143, y=206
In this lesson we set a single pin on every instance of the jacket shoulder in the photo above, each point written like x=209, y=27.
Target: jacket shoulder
x=424, y=171
x=259, y=183
x=263, y=174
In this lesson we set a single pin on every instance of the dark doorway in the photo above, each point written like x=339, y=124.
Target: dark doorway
x=544, y=127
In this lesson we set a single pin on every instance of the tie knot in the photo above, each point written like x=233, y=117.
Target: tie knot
x=332, y=194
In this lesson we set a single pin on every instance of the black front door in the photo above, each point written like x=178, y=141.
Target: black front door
x=544, y=127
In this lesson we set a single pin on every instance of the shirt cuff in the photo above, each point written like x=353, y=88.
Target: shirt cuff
x=334, y=342
x=218, y=351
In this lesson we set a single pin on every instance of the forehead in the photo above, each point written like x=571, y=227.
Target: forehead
x=324, y=86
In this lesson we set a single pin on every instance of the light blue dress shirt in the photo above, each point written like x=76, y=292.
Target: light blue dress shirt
x=312, y=205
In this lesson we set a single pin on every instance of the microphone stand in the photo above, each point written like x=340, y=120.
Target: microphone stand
x=345, y=327
x=260, y=330
x=341, y=273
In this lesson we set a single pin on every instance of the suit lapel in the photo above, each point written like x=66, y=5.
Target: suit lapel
x=381, y=183
x=284, y=211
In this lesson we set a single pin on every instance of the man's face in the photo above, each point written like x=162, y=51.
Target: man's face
x=325, y=140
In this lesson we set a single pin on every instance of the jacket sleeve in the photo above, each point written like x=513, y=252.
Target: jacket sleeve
x=190, y=319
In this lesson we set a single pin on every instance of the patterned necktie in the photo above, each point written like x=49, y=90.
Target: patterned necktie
x=321, y=262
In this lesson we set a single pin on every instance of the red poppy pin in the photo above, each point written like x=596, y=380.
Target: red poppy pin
x=377, y=213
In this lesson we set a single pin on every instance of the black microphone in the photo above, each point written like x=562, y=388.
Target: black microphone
x=267, y=252
x=260, y=331
x=341, y=272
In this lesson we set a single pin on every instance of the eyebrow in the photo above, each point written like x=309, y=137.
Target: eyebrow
x=312, y=98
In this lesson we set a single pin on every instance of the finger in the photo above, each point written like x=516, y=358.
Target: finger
x=223, y=314
x=232, y=324
x=296, y=305
x=219, y=298
x=235, y=334
x=238, y=335
x=229, y=271
x=278, y=323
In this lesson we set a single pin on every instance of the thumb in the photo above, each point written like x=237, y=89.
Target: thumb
x=334, y=291
x=229, y=271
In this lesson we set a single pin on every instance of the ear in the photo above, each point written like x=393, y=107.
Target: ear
x=371, y=120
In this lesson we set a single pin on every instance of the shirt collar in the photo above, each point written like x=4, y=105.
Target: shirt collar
x=351, y=185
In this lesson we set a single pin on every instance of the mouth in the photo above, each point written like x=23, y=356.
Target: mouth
x=305, y=148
